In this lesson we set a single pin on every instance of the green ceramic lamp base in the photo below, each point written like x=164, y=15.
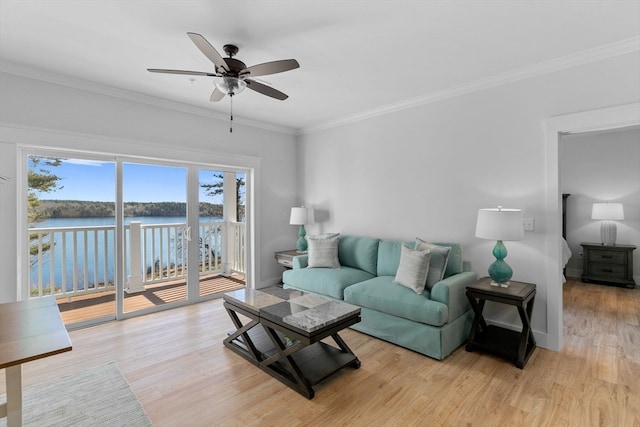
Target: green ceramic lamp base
x=301, y=243
x=499, y=271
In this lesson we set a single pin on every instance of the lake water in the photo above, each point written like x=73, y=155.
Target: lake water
x=106, y=258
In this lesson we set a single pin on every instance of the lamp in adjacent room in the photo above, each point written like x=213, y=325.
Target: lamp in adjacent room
x=500, y=224
x=302, y=216
x=607, y=212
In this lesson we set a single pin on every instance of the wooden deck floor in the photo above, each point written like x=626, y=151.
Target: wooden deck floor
x=92, y=306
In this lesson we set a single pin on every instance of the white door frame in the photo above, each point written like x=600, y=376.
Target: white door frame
x=47, y=142
x=603, y=119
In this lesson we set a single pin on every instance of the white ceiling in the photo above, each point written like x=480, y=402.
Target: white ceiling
x=357, y=58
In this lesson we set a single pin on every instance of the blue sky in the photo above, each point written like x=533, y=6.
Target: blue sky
x=95, y=181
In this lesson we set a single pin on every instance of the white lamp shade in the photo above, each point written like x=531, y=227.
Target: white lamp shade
x=500, y=224
x=302, y=216
x=607, y=211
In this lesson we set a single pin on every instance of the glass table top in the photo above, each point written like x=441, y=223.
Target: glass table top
x=304, y=311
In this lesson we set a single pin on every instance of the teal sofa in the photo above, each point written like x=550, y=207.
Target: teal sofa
x=434, y=323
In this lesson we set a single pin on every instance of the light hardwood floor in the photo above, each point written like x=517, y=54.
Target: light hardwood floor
x=183, y=376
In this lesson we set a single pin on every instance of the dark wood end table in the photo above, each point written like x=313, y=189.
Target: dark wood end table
x=284, y=332
x=515, y=346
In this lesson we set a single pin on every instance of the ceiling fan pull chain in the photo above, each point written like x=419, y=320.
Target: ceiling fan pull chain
x=231, y=121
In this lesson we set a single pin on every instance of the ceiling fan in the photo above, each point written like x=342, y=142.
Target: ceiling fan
x=234, y=75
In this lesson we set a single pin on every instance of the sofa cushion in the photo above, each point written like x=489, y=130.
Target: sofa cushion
x=330, y=282
x=389, y=256
x=413, y=269
x=359, y=252
x=438, y=263
x=323, y=251
x=455, y=262
x=381, y=294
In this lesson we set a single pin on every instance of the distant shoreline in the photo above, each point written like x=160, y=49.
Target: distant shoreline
x=88, y=209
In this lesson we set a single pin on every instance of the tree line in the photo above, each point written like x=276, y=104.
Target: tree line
x=88, y=209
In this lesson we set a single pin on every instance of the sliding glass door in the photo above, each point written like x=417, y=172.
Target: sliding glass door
x=71, y=234
x=221, y=231
x=127, y=237
x=156, y=235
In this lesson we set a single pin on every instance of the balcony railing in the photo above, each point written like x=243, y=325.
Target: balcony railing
x=71, y=261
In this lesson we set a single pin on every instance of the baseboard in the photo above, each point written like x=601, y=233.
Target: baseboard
x=269, y=282
x=573, y=272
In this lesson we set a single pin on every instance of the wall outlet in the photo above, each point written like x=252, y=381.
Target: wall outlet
x=528, y=224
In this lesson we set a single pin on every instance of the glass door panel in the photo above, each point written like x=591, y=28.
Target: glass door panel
x=71, y=235
x=221, y=231
x=156, y=235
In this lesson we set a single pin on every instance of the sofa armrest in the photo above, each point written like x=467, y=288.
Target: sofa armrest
x=452, y=292
x=300, y=261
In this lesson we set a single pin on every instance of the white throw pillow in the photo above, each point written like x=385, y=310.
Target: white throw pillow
x=413, y=269
x=323, y=251
x=438, y=263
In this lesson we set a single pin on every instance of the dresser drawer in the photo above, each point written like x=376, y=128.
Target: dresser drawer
x=608, y=257
x=610, y=264
x=608, y=270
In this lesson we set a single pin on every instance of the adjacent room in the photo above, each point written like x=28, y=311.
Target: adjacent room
x=319, y=213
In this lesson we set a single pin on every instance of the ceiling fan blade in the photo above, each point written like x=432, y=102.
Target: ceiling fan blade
x=216, y=95
x=266, y=90
x=208, y=50
x=272, y=67
x=189, y=73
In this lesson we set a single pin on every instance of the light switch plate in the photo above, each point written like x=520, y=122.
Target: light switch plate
x=528, y=224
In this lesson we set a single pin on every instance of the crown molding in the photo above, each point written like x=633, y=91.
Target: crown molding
x=622, y=47
x=89, y=86
x=580, y=58
x=57, y=140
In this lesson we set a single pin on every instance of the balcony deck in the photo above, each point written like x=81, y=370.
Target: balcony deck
x=91, y=306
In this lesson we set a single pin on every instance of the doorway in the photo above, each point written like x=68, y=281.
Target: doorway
x=555, y=127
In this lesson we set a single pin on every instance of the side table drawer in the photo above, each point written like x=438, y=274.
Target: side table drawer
x=285, y=258
x=608, y=257
x=285, y=262
x=608, y=270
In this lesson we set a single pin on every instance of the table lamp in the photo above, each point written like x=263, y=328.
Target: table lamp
x=500, y=224
x=607, y=212
x=301, y=216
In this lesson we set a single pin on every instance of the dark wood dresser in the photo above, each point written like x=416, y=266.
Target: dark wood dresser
x=608, y=264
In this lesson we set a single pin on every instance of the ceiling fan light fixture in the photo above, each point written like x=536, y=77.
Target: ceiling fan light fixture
x=230, y=85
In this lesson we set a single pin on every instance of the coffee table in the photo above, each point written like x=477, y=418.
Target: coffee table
x=282, y=334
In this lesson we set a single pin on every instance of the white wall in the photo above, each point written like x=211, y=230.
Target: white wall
x=598, y=167
x=426, y=171
x=52, y=115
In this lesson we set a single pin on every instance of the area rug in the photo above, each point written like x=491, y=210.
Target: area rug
x=99, y=396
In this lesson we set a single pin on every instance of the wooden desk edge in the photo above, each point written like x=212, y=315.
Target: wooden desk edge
x=41, y=356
